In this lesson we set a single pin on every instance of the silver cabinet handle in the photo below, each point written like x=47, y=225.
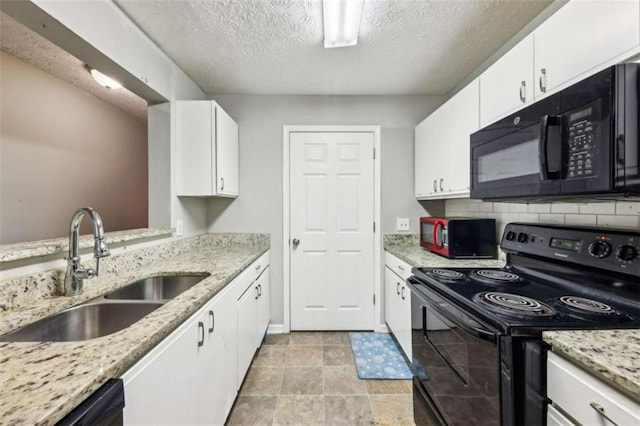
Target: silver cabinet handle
x=201, y=332
x=401, y=268
x=523, y=91
x=398, y=288
x=543, y=80
x=295, y=242
x=441, y=180
x=600, y=409
x=221, y=184
x=402, y=292
x=213, y=322
x=258, y=268
x=435, y=186
x=257, y=292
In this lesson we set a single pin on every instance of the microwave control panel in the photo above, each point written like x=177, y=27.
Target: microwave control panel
x=582, y=145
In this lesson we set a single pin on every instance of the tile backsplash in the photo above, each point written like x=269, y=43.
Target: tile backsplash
x=609, y=214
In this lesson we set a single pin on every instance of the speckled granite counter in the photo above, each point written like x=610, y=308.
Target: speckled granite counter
x=611, y=355
x=42, y=382
x=407, y=248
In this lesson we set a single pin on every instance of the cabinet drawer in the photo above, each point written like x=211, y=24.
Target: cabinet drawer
x=259, y=265
x=400, y=267
x=574, y=391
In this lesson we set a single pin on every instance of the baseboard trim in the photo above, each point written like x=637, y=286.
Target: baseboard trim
x=275, y=329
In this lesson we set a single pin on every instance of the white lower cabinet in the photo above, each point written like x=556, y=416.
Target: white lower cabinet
x=193, y=375
x=183, y=379
x=253, y=319
x=580, y=398
x=397, y=302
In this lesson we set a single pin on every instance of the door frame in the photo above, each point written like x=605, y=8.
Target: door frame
x=377, y=235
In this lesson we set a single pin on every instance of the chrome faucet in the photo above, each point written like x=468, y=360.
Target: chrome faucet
x=75, y=271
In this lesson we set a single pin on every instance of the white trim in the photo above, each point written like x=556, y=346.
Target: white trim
x=275, y=329
x=378, y=324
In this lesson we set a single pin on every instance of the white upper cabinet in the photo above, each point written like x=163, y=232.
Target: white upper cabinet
x=207, y=150
x=583, y=37
x=442, y=146
x=508, y=84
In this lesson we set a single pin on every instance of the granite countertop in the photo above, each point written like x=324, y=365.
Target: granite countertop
x=610, y=355
x=40, y=382
x=407, y=248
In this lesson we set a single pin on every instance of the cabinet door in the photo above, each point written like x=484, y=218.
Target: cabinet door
x=195, y=155
x=166, y=385
x=508, y=84
x=264, y=304
x=426, y=160
x=403, y=333
x=226, y=154
x=247, y=330
x=221, y=358
x=390, y=298
x=583, y=37
x=460, y=117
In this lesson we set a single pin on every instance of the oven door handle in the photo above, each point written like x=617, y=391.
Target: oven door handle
x=486, y=334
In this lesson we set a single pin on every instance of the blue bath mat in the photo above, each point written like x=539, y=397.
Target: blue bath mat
x=378, y=357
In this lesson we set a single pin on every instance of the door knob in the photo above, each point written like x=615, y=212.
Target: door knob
x=295, y=242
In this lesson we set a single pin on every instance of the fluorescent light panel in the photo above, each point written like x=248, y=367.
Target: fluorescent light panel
x=341, y=22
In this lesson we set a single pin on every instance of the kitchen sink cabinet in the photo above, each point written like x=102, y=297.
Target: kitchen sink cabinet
x=577, y=396
x=581, y=38
x=207, y=150
x=193, y=375
x=442, y=146
x=184, y=379
x=397, y=301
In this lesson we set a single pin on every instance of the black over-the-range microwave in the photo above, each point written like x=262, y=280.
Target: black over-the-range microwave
x=579, y=142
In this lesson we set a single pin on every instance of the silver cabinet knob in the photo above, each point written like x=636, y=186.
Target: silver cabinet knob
x=295, y=242
x=543, y=80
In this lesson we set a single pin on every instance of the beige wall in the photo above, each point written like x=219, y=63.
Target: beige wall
x=60, y=149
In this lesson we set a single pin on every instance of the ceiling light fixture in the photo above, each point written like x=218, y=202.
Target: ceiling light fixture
x=102, y=79
x=341, y=22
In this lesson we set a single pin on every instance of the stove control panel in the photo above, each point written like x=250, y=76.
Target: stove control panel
x=610, y=249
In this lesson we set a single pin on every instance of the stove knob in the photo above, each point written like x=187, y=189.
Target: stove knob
x=599, y=249
x=626, y=253
x=511, y=236
x=523, y=238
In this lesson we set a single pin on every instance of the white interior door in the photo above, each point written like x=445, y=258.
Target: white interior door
x=332, y=214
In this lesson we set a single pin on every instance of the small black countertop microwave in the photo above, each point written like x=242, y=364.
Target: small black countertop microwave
x=581, y=141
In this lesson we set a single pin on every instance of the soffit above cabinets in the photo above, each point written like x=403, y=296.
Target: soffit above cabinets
x=29, y=46
x=276, y=46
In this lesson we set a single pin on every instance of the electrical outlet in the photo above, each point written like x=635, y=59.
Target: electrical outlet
x=179, y=228
x=402, y=223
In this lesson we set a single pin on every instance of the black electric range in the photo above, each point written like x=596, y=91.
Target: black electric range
x=478, y=354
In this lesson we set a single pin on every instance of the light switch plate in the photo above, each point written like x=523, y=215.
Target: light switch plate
x=179, y=228
x=402, y=223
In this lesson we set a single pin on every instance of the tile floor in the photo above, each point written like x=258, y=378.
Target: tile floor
x=309, y=378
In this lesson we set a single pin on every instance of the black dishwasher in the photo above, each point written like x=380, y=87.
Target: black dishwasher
x=102, y=408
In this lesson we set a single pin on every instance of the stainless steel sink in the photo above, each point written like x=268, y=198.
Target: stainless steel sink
x=156, y=288
x=82, y=322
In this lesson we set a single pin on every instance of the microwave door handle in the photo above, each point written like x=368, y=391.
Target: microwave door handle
x=546, y=122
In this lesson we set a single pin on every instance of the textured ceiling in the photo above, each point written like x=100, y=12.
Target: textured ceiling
x=31, y=47
x=276, y=46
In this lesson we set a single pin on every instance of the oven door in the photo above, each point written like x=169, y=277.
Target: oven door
x=455, y=361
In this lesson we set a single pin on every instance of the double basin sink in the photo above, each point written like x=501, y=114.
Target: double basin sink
x=106, y=314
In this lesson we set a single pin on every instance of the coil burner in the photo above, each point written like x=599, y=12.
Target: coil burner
x=589, y=306
x=496, y=276
x=446, y=275
x=512, y=304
